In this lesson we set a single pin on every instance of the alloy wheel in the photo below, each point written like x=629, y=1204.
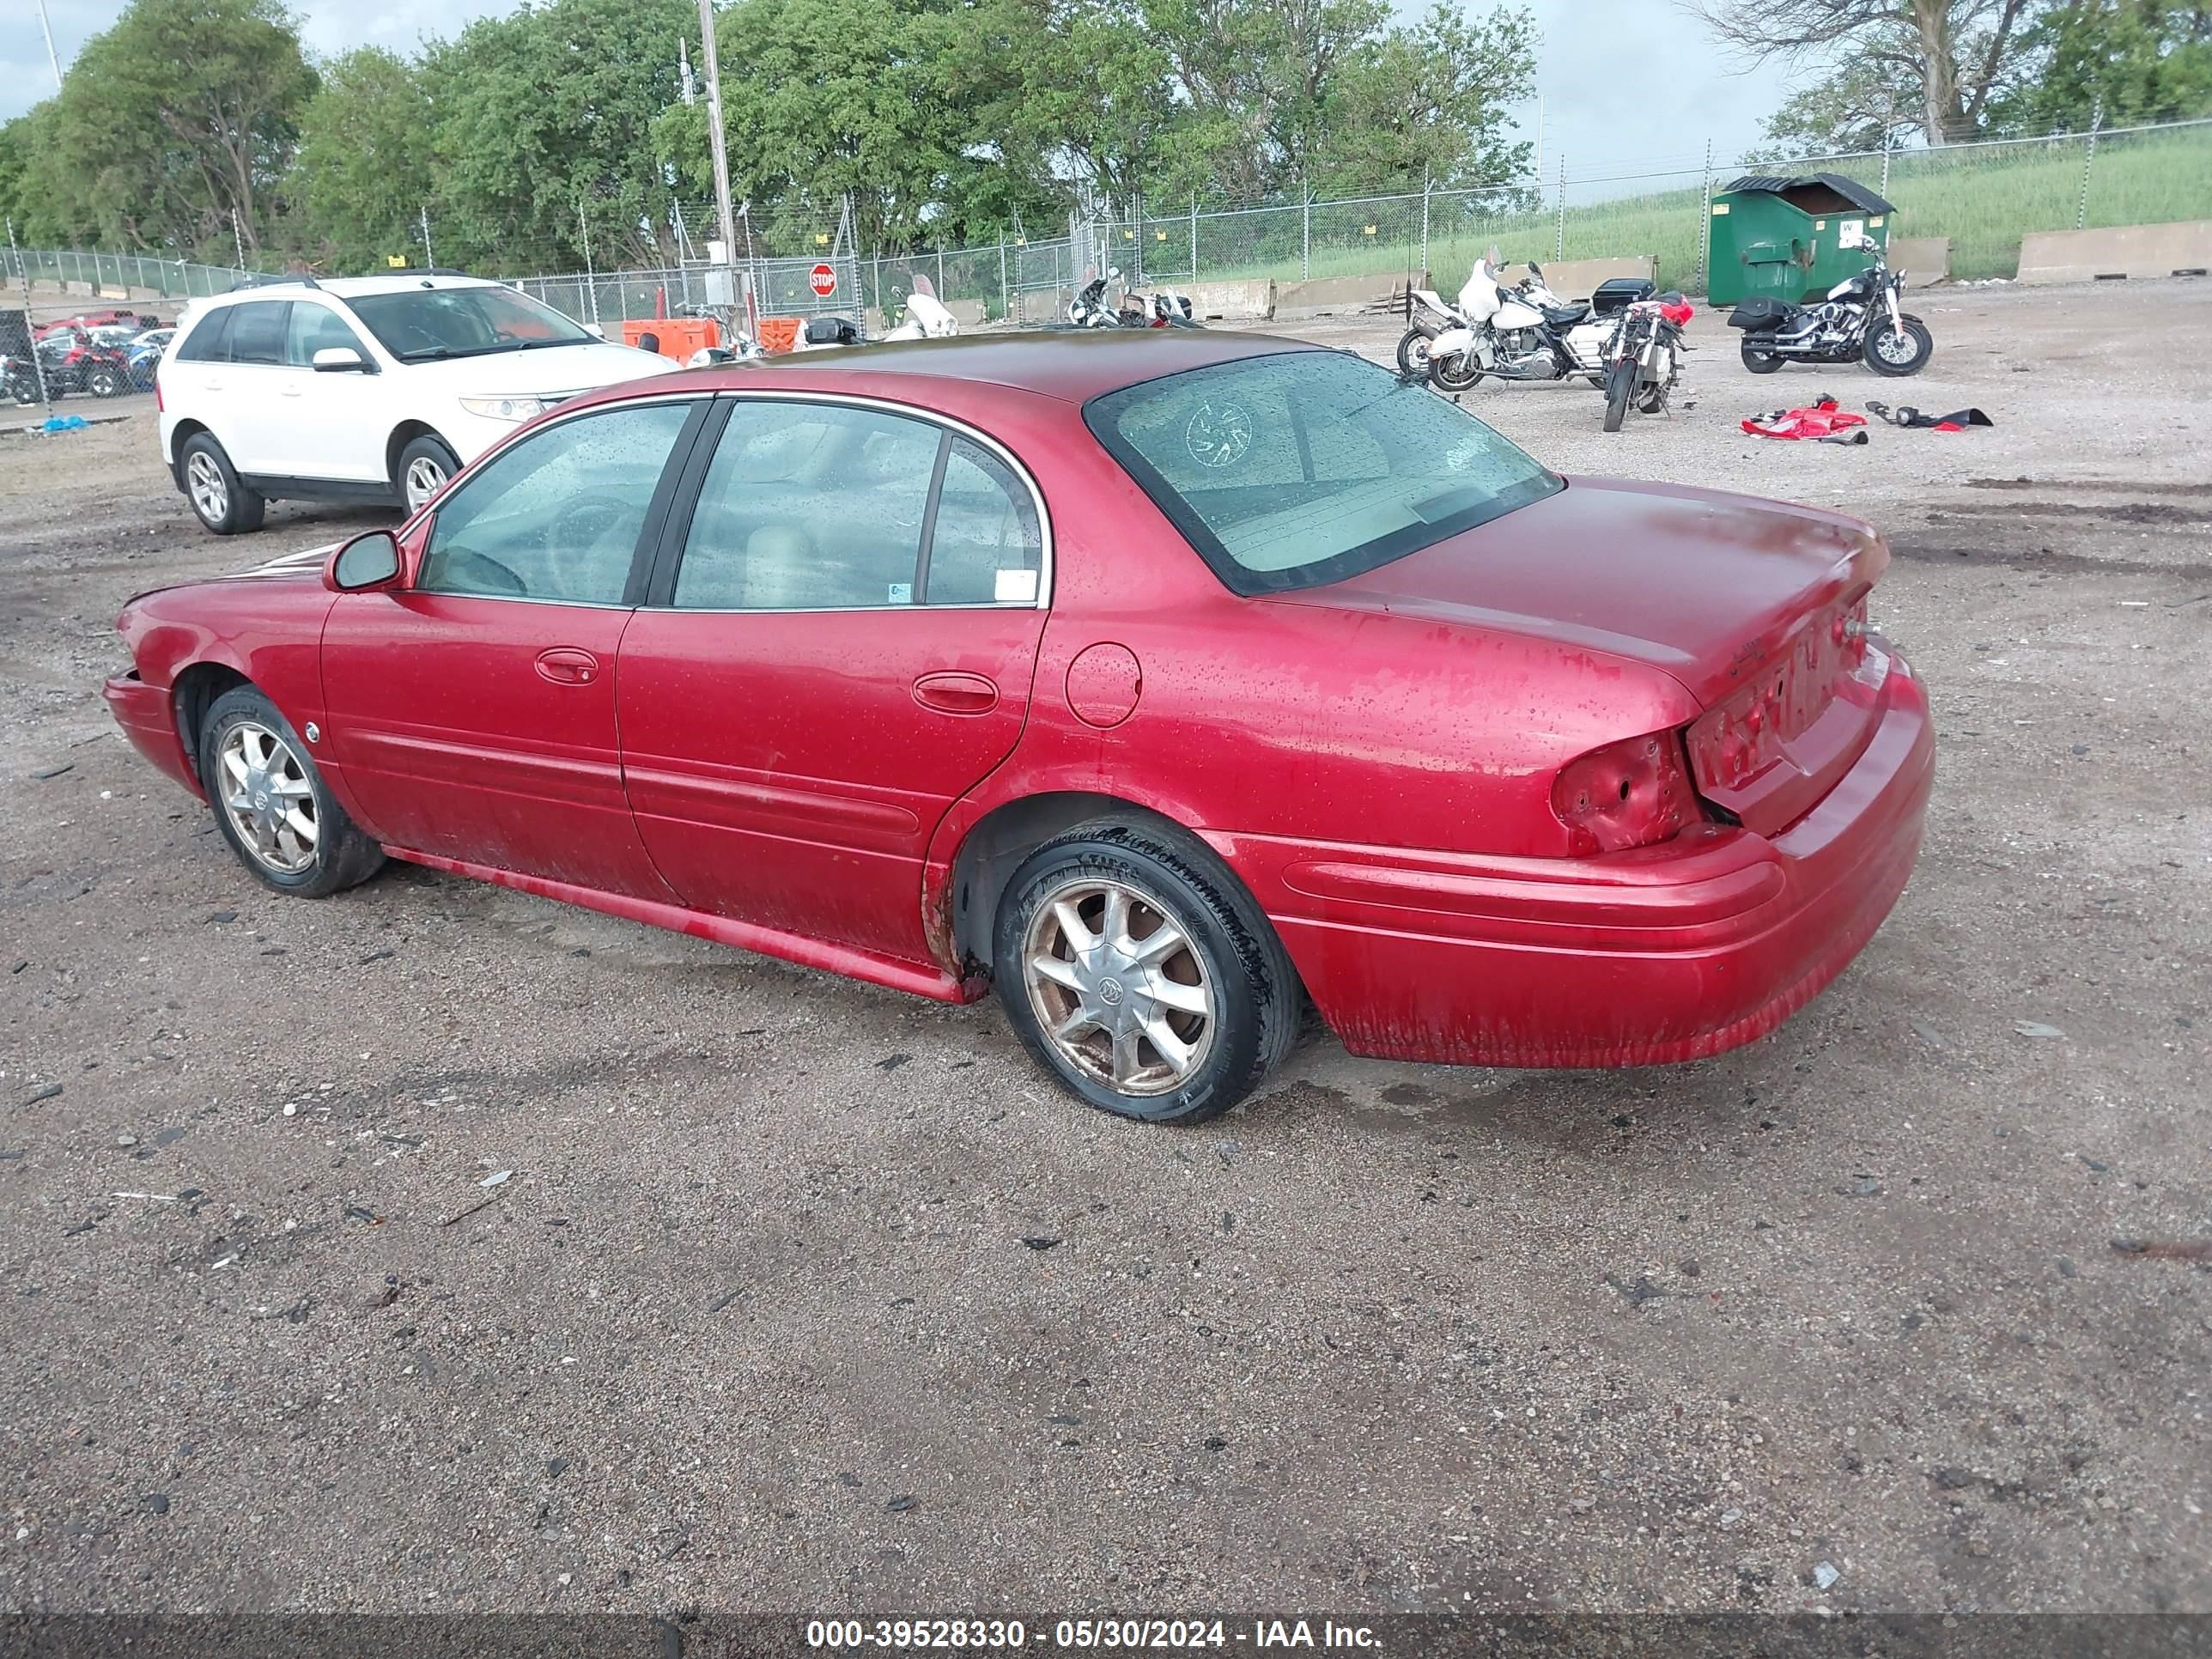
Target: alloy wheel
x=271, y=804
x=1117, y=987
x=1896, y=345
x=210, y=495
x=425, y=478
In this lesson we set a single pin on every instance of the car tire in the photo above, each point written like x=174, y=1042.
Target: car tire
x=425, y=466
x=271, y=804
x=106, y=382
x=1215, y=1012
x=1759, y=362
x=220, y=499
x=1915, y=345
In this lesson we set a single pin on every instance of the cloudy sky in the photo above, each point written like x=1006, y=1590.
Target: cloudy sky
x=1628, y=86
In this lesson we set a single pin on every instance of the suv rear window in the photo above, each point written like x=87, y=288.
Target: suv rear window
x=209, y=340
x=1307, y=467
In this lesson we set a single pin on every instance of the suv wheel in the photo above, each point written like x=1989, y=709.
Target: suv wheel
x=219, y=499
x=424, y=467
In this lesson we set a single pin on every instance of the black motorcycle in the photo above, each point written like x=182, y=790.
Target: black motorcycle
x=1863, y=317
x=19, y=381
x=1643, y=356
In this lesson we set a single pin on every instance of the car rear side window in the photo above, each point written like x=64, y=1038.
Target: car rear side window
x=1307, y=467
x=828, y=506
x=257, y=332
x=209, y=340
x=555, y=516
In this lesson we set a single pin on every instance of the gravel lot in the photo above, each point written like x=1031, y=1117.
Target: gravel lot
x=1837, y=1320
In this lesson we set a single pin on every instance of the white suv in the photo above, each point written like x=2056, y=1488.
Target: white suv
x=368, y=388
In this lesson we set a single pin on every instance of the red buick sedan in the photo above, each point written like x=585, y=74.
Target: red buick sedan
x=1161, y=680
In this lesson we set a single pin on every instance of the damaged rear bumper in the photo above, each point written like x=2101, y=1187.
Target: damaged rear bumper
x=1664, y=954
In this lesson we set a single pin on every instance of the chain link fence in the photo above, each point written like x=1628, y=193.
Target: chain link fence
x=1984, y=197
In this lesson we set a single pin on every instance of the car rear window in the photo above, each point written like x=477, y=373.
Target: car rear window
x=1307, y=467
x=209, y=340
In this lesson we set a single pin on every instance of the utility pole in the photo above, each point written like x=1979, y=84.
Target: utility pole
x=428, y=260
x=717, y=145
x=1559, y=242
x=54, y=63
x=23, y=275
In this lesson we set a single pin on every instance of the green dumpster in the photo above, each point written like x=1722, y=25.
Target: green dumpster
x=1784, y=239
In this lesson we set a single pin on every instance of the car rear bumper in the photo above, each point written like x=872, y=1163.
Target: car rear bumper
x=143, y=713
x=1664, y=954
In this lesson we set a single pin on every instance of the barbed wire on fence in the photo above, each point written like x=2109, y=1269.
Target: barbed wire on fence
x=1982, y=195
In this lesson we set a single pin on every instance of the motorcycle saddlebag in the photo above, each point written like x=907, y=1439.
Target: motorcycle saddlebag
x=1760, y=314
x=1617, y=294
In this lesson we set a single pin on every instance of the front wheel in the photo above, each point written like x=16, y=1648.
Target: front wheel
x=425, y=465
x=1134, y=968
x=272, y=806
x=1458, y=373
x=106, y=382
x=1897, y=351
x=1619, y=384
x=1414, y=353
x=1757, y=360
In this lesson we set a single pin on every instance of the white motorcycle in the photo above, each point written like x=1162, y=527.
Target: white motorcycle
x=1428, y=315
x=926, y=317
x=1528, y=333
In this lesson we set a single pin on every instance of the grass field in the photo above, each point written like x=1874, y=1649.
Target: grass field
x=1983, y=197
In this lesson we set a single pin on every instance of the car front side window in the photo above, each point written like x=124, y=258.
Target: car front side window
x=555, y=516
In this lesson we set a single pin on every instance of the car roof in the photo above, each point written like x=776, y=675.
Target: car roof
x=343, y=288
x=1073, y=364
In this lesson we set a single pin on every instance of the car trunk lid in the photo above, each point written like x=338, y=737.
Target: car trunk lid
x=1757, y=607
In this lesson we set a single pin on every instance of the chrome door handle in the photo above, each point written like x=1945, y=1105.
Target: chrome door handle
x=565, y=664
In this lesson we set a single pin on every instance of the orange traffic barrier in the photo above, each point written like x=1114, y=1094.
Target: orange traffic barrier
x=677, y=338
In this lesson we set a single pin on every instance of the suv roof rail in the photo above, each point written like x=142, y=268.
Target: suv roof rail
x=420, y=270
x=257, y=281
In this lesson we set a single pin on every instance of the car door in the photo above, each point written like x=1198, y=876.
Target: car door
x=471, y=713
x=330, y=427
x=241, y=390
x=837, y=644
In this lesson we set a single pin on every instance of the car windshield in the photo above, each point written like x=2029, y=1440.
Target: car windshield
x=1307, y=467
x=423, y=324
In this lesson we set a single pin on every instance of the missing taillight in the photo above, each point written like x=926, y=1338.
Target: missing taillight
x=1626, y=794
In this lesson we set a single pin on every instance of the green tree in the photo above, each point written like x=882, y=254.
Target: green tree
x=363, y=170
x=1950, y=55
x=549, y=111
x=177, y=118
x=1868, y=103
x=2140, y=60
x=1427, y=101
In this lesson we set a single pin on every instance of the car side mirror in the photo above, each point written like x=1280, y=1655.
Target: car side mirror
x=370, y=561
x=339, y=360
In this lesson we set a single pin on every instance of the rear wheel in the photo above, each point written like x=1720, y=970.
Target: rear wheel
x=1414, y=353
x=1136, y=970
x=104, y=380
x=272, y=806
x=1897, y=351
x=424, y=467
x=1757, y=360
x=219, y=500
x=1619, y=383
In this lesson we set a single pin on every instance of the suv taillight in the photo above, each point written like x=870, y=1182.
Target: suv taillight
x=1626, y=794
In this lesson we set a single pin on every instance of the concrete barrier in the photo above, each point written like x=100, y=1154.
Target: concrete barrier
x=1222, y=301
x=2082, y=256
x=77, y=290
x=969, y=313
x=1574, y=279
x=1331, y=296
x=1925, y=260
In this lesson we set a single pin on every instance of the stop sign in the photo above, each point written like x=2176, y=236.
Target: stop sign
x=822, y=280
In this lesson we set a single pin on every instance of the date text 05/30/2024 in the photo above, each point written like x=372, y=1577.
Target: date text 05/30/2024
x=1124, y=1635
